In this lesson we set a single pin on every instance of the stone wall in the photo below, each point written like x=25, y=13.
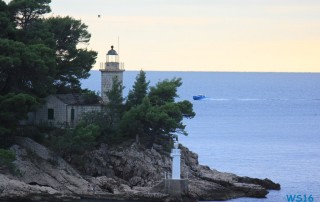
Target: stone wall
x=41, y=115
x=79, y=110
x=62, y=112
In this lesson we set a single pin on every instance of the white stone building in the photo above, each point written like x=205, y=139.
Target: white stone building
x=65, y=110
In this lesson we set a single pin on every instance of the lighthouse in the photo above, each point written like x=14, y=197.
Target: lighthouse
x=176, y=159
x=110, y=69
x=175, y=187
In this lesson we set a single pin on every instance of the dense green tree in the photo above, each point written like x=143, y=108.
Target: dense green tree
x=115, y=106
x=109, y=118
x=165, y=91
x=37, y=33
x=115, y=95
x=134, y=123
x=158, y=116
x=163, y=97
x=61, y=63
x=139, y=90
x=26, y=68
x=6, y=24
x=25, y=12
x=10, y=61
x=73, y=63
x=38, y=56
x=186, y=108
x=13, y=108
x=68, y=33
x=6, y=157
x=6, y=160
x=77, y=141
x=90, y=97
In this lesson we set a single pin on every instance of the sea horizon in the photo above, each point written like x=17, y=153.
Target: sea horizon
x=193, y=71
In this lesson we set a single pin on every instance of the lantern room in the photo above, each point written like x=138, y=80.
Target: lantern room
x=112, y=56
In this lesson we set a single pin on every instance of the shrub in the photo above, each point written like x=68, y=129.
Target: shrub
x=6, y=159
x=77, y=141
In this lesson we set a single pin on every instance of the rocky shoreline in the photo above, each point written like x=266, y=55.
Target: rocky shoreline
x=121, y=173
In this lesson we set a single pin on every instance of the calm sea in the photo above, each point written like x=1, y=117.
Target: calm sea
x=264, y=125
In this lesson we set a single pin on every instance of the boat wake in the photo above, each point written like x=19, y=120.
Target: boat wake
x=257, y=99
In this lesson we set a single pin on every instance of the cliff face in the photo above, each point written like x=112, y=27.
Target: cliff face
x=137, y=166
x=118, y=173
x=147, y=167
x=40, y=174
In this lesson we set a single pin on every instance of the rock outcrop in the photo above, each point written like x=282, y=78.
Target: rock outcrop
x=118, y=173
x=147, y=167
x=11, y=189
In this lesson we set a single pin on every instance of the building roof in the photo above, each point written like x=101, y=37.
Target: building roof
x=79, y=99
x=112, y=52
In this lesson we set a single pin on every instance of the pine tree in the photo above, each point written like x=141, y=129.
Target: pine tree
x=158, y=118
x=38, y=56
x=115, y=106
x=139, y=90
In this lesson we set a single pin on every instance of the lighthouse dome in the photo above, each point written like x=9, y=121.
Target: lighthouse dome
x=112, y=52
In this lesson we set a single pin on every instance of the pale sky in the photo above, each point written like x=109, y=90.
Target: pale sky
x=203, y=35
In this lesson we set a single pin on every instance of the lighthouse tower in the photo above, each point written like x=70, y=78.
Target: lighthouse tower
x=176, y=158
x=175, y=187
x=110, y=69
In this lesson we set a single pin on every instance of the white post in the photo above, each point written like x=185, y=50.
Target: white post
x=176, y=154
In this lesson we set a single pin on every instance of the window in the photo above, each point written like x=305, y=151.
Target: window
x=72, y=114
x=50, y=114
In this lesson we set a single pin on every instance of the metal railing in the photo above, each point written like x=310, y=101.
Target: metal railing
x=111, y=66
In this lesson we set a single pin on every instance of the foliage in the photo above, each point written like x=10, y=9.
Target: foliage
x=73, y=63
x=158, y=116
x=38, y=56
x=32, y=132
x=41, y=56
x=27, y=11
x=20, y=63
x=134, y=123
x=84, y=137
x=77, y=141
x=6, y=24
x=115, y=105
x=14, y=107
x=139, y=90
x=164, y=91
x=108, y=129
x=96, y=117
x=6, y=157
x=25, y=68
x=90, y=97
x=115, y=94
x=108, y=119
x=6, y=160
